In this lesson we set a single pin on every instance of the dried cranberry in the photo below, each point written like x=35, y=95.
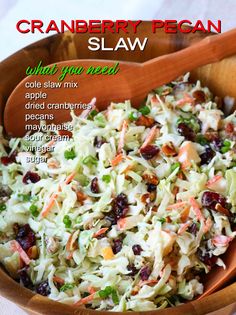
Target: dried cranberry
x=145, y=273
x=185, y=131
x=5, y=160
x=193, y=229
x=98, y=142
x=229, y=128
x=25, y=278
x=27, y=241
x=151, y=187
x=43, y=288
x=122, y=201
x=137, y=249
x=94, y=186
x=210, y=199
x=31, y=177
x=217, y=143
x=133, y=270
x=117, y=246
x=121, y=213
x=9, y=159
x=206, y=258
x=149, y=151
x=119, y=209
x=23, y=230
x=26, y=237
x=207, y=156
x=120, y=206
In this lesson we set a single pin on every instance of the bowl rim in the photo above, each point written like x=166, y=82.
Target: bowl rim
x=35, y=303
x=32, y=302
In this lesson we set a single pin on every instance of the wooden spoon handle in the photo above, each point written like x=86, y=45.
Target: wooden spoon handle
x=163, y=69
x=211, y=49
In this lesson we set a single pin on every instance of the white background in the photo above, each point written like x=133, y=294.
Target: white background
x=13, y=10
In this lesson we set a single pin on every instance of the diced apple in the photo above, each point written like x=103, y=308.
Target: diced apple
x=167, y=240
x=210, y=119
x=13, y=264
x=129, y=222
x=188, y=154
x=217, y=183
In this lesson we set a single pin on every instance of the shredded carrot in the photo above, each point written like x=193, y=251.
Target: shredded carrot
x=58, y=280
x=15, y=246
x=107, y=253
x=196, y=208
x=147, y=282
x=70, y=177
x=85, y=300
x=122, y=137
x=71, y=244
x=54, y=196
x=100, y=232
x=68, y=244
x=117, y=159
x=208, y=225
x=150, y=137
x=92, y=290
x=49, y=206
x=86, y=112
x=185, y=214
x=213, y=180
x=176, y=205
x=121, y=223
x=186, y=99
x=183, y=228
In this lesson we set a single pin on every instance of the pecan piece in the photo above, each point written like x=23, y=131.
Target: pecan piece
x=145, y=121
x=199, y=97
x=168, y=149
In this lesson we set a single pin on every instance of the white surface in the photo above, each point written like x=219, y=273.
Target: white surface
x=13, y=10
x=8, y=308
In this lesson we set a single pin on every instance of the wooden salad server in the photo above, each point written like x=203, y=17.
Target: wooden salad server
x=132, y=82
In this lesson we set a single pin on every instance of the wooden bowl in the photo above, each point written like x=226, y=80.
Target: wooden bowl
x=219, y=77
